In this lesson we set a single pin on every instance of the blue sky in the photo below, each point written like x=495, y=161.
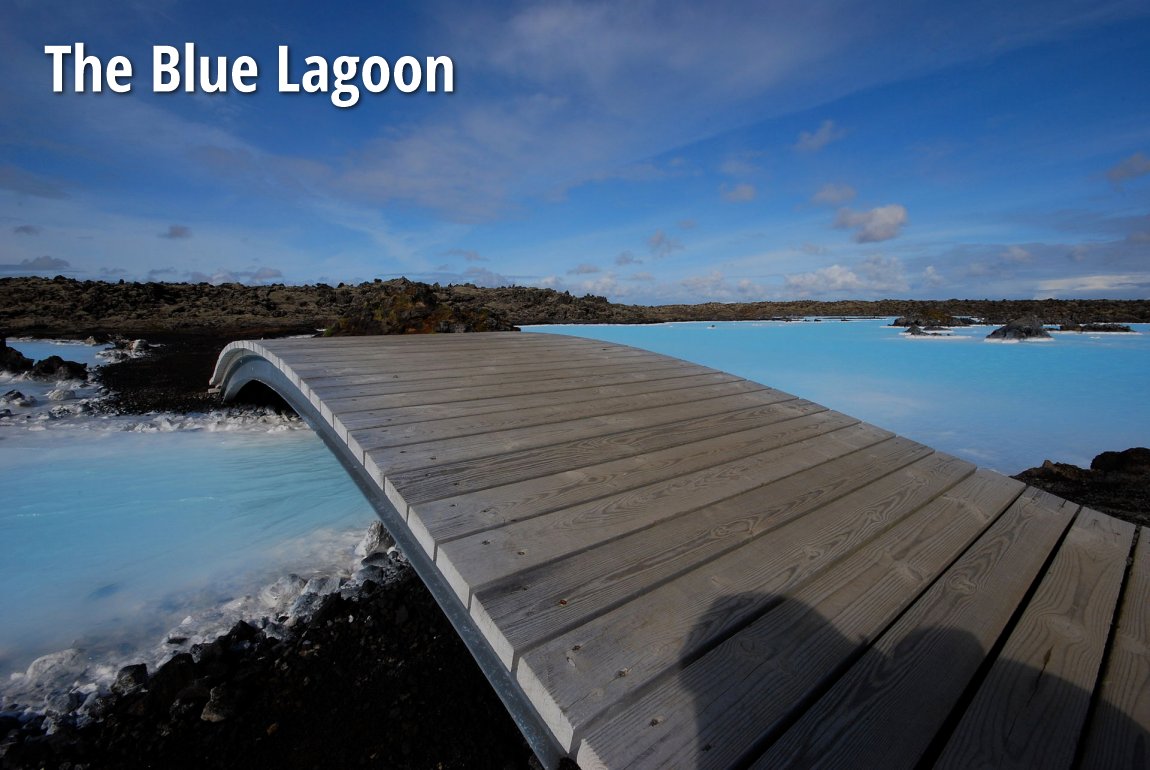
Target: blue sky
x=647, y=151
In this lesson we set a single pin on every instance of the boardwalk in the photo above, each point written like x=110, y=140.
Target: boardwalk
x=662, y=565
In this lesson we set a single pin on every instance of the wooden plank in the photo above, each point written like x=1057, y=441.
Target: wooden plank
x=372, y=428
x=887, y=708
x=1119, y=732
x=462, y=366
x=470, y=511
x=797, y=517
x=576, y=675
x=383, y=360
x=526, y=393
x=497, y=443
x=545, y=378
x=447, y=479
x=323, y=347
x=740, y=694
x=1030, y=709
x=492, y=555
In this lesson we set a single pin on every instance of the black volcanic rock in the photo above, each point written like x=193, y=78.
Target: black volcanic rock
x=1095, y=327
x=56, y=368
x=1025, y=328
x=406, y=307
x=12, y=360
x=1117, y=483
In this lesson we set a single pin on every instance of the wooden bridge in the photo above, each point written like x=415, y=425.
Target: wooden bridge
x=662, y=565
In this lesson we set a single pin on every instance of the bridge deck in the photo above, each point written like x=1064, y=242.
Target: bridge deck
x=659, y=564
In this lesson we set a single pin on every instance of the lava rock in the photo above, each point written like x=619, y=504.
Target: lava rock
x=13, y=361
x=1096, y=327
x=56, y=368
x=1025, y=328
x=1132, y=462
x=130, y=679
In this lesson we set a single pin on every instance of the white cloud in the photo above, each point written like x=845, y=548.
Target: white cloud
x=627, y=258
x=35, y=265
x=878, y=224
x=662, y=244
x=1017, y=255
x=1094, y=283
x=1129, y=168
x=931, y=278
x=742, y=164
x=740, y=193
x=813, y=141
x=874, y=274
x=833, y=194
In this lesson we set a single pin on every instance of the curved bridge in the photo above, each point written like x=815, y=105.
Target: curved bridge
x=659, y=564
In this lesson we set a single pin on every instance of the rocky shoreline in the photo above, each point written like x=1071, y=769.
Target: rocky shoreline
x=368, y=673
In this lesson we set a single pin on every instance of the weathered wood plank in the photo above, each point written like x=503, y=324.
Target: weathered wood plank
x=409, y=407
x=1030, y=709
x=497, y=443
x=889, y=706
x=447, y=479
x=542, y=375
x=495, y=554
x=373, y=427
x=457, y=366
x=468, y=512
x=810, y=514
x=576, y=675
x=718, y=710
x=1119, y=731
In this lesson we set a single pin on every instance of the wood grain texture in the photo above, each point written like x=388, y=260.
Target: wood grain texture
x=718, y=710
x=1031, y=708
x=906, y=684
x=450, y=518
x=1119, y=732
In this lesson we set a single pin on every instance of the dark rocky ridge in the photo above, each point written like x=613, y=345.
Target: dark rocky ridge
x=55, y=307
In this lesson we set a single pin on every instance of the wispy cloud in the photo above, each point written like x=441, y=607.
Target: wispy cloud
x=470, y=255
x=878, y=224
x=583, y=269
x=662, y=244
x=627, y=258
x=739, y=193
x=25, y=182
x=35, y=265
x=834, y=194
x=813, y=141
x=26, y=230
x=1129, y=168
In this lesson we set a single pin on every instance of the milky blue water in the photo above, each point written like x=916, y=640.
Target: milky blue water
x=1006, y=406
x=113, y=529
